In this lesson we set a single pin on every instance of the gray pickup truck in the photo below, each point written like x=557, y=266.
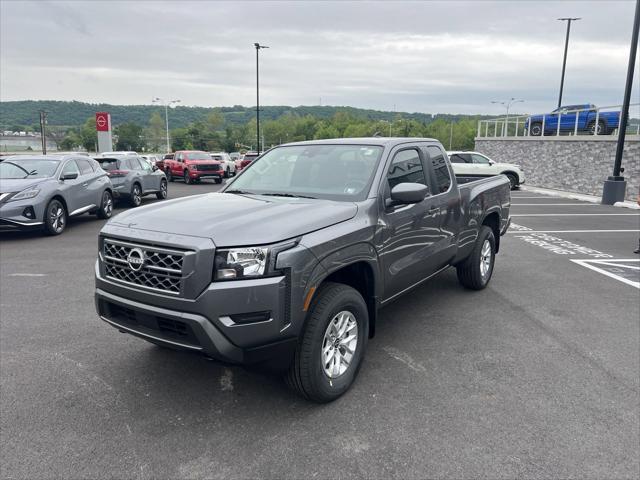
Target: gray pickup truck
x=291, y=262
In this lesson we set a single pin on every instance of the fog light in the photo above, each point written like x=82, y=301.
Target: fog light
x=29, y=213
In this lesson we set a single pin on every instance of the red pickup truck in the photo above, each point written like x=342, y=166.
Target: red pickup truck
x=192, y=166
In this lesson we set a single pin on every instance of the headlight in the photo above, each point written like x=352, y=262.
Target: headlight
x=236, y=263
x=25, y=194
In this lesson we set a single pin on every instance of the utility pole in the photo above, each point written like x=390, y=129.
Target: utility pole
x=258, y=47
x=43, y=130
x=615, y=186
x=451, y=135
x=564, y=61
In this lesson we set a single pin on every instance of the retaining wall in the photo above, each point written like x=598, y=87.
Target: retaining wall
x=573, y=164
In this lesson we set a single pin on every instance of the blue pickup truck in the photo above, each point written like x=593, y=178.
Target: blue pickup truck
x=588, y=119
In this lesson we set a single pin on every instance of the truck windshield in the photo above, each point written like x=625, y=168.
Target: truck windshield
x=332, y=172
x=197, y=156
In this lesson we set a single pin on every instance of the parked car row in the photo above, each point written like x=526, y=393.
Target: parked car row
x=43, y=191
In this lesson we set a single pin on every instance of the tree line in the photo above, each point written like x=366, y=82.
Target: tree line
x=214, y=133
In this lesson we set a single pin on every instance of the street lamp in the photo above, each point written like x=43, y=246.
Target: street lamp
x=564, y=60
x=507, y=104
x=166, y=115
x=258, y=47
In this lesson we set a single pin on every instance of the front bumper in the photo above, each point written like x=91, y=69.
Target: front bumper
x=12, y=215
x=218, y=323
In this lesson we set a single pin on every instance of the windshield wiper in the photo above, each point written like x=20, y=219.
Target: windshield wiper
x=288, y=195
x=239, y=192
x=16, y=165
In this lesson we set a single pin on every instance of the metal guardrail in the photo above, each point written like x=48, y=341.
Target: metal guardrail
x=517, y=125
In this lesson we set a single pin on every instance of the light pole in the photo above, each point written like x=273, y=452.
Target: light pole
x=615, y=186
x=564, y=60
x=43, y=131
x=258, y=47
x=507, y=104
x=166, y=115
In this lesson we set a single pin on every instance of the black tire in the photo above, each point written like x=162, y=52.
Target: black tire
x=536, y=129
x=218, y=180
x=470, y=273
x=227, y=173
x=162, y=194
x=187, y=178
x=307, y=375
x=167, y=172
x=55, y=218
x=513, y=180
x=136, y=195
x=106, y=205
x=602, y=127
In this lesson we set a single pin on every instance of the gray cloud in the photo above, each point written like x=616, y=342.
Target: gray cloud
x=419, y=56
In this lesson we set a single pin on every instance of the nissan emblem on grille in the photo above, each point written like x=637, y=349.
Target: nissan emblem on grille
x=135, y=259
x=149, y=266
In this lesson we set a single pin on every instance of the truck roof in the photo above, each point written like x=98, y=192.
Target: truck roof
x=381, y=141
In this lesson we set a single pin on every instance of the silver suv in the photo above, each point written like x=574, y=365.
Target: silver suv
x=134, y=177
x=44, y=191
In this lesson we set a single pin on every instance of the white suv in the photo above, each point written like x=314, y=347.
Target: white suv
x=474, y=165
x=228, y=165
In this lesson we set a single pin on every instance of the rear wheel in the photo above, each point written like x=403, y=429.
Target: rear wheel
x=601, y=128
x=168, y=174
x=106, y=206
x=331, y=349
x=136, y=195
x=475, y=272
x=162, y=193
x=55, y=218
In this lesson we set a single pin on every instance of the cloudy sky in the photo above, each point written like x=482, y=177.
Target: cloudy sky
x=448, y=56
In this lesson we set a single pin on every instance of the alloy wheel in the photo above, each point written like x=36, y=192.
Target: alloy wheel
x=57, y=217
x=485, y=259
x=339, y=344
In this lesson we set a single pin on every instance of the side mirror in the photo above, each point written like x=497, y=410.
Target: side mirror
x=69, y=176
x=406, y=193
x=491, y=162
x=154, y=168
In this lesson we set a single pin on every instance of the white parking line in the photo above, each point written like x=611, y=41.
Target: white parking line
x=554, y=204
x=27, y=275
x=575, y=214
x=572, y=231
x=617, y=264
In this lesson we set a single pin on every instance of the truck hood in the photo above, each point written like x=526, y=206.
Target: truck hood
x=238, y=220
x=18, y=184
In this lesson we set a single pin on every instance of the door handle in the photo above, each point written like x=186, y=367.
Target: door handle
x=433, y=211
x=85, y=184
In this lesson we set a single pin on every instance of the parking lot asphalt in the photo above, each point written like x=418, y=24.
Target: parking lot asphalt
x=537, y=376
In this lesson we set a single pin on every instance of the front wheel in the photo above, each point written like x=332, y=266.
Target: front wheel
x=513, y=181
x=162, y=193
x=475, y=272
x=332, y=346
x=55, y=218
x=218, y=180
x=187, y=178
x=536, y=129
x=106, y=206
x=227, y=173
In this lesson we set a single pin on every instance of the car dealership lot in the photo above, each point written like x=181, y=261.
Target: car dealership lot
x=536, y=376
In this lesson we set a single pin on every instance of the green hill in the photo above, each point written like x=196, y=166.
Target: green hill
x=71, y=114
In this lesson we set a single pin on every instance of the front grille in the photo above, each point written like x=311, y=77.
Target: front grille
x=161, y=269
x=207, y=168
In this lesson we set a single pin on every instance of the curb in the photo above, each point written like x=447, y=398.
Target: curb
x=577, y=196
